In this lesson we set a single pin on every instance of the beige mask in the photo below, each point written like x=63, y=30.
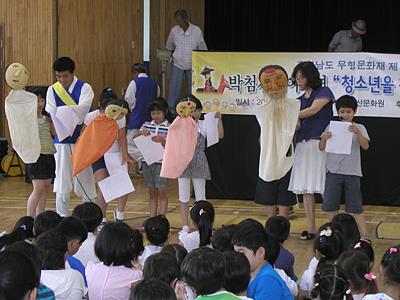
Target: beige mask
x=115, y=112
x=185, y=108
x=17, y=76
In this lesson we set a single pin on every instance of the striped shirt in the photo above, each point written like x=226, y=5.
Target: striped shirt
x=160, y=129
x=46, y=140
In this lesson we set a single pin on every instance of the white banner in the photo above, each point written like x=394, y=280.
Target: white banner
x=372, y=78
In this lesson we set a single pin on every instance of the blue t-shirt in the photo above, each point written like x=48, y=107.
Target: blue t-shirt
x=44, y=293
x=285, y=262
x=76, y=264
x=312, y=127
x=268, y=285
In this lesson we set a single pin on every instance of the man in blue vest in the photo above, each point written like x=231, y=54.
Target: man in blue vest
x=142, y=90
x=78, y=95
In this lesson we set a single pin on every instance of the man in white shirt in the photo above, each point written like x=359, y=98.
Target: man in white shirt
x=183, y=38
x=349, y=40
x=77, y=95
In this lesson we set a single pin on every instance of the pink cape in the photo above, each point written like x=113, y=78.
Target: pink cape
x=180, y=147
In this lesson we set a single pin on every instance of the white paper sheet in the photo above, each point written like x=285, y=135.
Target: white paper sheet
x=211, y=128
x=113, y=161
x=115, y=186
x=152, y=152
x=340, y=142
x=64, y=120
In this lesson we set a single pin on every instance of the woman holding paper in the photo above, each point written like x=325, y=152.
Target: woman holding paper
x=308, y=173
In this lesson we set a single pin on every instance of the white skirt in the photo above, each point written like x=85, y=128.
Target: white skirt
x=309, y=169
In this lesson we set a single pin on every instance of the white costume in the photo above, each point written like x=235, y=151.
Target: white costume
x=21, y=113
x=83, y=183
x=276, y=137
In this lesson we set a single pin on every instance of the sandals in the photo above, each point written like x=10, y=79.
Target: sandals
x=305, y=236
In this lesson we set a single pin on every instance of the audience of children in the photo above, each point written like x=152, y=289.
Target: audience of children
x=113, y=270
x=157, y=233
x=390, y=274
x=66, y=284
x=253, y=242
x=202, y=216
x=153, y=289
x=74, y=230
x=91, y=215
x=278, y=228
x=356, y=266
x=327, y=246
x=23, y=230
x=117, y=246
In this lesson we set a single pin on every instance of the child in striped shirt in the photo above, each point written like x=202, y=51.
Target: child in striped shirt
x=151, y=173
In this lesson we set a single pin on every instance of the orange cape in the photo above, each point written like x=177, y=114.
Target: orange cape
x=96, y=139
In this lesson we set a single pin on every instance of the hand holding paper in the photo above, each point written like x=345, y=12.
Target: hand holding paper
x=340, y=142
x=65, y=121
x=152, y=151
x=211, y=119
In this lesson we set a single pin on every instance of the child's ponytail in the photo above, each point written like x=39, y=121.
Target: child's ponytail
x=202, y=214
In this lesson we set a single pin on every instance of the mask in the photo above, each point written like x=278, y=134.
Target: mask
x=185, y=108
x=17, y=76
x=115, y=112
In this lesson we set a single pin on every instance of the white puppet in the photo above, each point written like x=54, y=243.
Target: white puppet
x=21, y=113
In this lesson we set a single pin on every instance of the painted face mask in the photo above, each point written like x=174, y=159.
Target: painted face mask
x=17, y=76
x=274, y=83
x=115, y=112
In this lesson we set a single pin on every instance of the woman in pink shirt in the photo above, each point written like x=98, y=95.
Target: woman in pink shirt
x=117, y=247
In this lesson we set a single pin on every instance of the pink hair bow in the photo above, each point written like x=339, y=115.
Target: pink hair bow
x=393, y=250
x=370, y=276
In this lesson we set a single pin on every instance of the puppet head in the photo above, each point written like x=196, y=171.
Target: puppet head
x=185, y=108
x=115, y=109
x=274, y=81
x=17, y=76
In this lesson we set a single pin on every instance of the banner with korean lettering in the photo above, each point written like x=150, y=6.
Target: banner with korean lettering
x=228, y=81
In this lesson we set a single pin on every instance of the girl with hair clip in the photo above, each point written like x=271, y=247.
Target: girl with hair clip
x=365, y=246
x=330, y=283
x=202, y=215
x=356, y=266
x=23, y=230
x=390, y=274
x=327, y=246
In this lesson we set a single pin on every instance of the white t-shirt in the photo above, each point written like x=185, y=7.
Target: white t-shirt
x=291, y=284
x=86, y=251
x=121, y=124
x=148, y=251
x=66, y=284
x=307, y=279
x=190, y=240
x=379, y=296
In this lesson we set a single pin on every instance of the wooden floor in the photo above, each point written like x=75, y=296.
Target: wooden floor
x=14, y=192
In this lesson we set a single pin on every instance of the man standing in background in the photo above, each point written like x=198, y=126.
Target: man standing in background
x=349, y=40
x=182, y=40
